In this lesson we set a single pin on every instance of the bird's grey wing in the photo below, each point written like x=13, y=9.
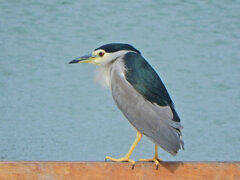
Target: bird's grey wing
x=149, y=118
x=146, y=81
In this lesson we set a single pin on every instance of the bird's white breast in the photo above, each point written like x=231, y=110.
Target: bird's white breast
x=103, y=75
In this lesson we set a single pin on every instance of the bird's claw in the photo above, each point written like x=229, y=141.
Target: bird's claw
x=156, y=160
x=122, y=159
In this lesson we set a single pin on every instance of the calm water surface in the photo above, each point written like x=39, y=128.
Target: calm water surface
x=50, y=110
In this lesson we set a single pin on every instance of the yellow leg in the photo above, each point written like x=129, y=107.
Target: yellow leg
x=126, y=158
x=155, y=157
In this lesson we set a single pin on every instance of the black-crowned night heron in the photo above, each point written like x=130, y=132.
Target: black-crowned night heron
x=140, y=94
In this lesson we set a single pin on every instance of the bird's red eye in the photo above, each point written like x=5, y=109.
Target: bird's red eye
x=101, y=54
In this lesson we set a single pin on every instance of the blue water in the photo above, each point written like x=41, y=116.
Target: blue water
x=50, y=110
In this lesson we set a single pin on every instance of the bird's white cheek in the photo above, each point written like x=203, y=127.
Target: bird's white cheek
x=104, y=60
x=97, y=61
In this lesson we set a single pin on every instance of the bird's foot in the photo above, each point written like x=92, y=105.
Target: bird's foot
x=156, y=160
x=122, y=159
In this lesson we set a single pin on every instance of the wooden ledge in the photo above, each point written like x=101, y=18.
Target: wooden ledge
x=111, y=170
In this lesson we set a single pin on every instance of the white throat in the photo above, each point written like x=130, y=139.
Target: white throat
x=103, y=75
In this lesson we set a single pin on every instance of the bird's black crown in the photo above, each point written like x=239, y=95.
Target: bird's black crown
x=114, y=47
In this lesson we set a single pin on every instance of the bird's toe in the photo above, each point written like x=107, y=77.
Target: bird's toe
x=122, y=159
x=156, y=160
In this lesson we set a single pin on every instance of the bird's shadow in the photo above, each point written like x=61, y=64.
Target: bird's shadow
x=171, y=166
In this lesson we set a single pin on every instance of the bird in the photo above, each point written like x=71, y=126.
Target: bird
x=140, y=94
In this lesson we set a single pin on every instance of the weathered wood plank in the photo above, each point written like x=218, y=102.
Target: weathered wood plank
x=112, y=170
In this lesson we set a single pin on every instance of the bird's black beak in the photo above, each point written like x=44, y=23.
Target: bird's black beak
x=74, y=61
x=83, y=59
